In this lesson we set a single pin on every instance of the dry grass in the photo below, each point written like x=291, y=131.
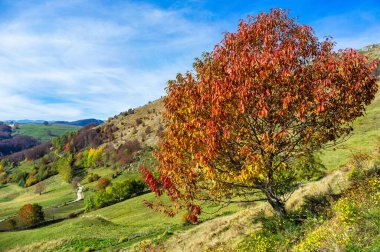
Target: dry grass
x=129, y=129
x=39, y=246
x=225, y=232
x=335, y=182
x=371, y=51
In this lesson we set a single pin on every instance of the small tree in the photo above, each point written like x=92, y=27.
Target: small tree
x=30, y=214
x=64, y=167
x=266, y=96
x=74, y=183
x=40, y=187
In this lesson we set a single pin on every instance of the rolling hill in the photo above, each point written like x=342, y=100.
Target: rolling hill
x=43, y=132
x=130, y=226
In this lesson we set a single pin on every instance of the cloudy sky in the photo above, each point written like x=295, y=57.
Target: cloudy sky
x=74, y=59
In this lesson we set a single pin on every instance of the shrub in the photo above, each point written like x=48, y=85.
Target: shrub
x=160, y=131
x=148, y=130
x=103, y=183
x=118, y=192
x=359, y=166
x=30, y=214
x=138, y=121
x=38, y=152
x=126, y=152
x=93, y=177
x=354, y=224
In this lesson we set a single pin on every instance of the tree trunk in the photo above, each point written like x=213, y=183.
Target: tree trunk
x=277, y=204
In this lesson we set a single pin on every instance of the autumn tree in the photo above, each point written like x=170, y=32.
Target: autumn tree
x=103, y=183
x=30, y=214
x=74, y=182
x=40, y=187
x=267, y=96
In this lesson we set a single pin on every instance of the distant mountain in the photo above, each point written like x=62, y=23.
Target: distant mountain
x=25, y=121
x=82, y=122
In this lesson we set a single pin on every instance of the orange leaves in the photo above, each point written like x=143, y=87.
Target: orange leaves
x=265, y=95
x=321, y=107
x=263, y=112
x=286, y=101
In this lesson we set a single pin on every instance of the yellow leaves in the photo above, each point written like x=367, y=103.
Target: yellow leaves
x=209, y=172
x=252, y=173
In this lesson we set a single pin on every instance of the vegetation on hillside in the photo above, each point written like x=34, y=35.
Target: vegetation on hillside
x=348, y=221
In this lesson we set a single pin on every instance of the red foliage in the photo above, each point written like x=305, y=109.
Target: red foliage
x=103, y=183
x=151, y=181
x=266, y=95
x=30, y=214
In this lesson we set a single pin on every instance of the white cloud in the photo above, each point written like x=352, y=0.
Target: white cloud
x=95, y=61
x=349, y=30
x=72, y=59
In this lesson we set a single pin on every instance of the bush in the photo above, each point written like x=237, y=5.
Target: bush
x=38, y=152
x=127, y=151
x=30, y=214
x=74, y=182
x=362, y=166
x=113, y=194
x=148, y=130
x=103, y=183
x=139, y=121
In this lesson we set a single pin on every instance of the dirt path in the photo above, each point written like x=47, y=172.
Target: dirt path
x=80, y=196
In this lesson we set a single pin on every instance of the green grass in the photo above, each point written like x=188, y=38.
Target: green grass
x=40, y=131
x=130, y=220
x=63, y=211
x=13, y=197
x=365, y=138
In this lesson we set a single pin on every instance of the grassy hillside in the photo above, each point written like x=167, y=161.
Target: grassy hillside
x=43, y=132
x=142, y=124
x=130, y=225
x=119, y=225
x=13, y=197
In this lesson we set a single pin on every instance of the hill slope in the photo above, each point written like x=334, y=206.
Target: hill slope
x=43, y=132
x=129, y=223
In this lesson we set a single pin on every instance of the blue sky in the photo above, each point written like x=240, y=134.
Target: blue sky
x=73, y=59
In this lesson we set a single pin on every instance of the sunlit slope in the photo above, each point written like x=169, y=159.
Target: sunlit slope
x=119, y=225
x=13, y=197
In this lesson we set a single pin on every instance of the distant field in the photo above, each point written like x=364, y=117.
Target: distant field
x=43, y=132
